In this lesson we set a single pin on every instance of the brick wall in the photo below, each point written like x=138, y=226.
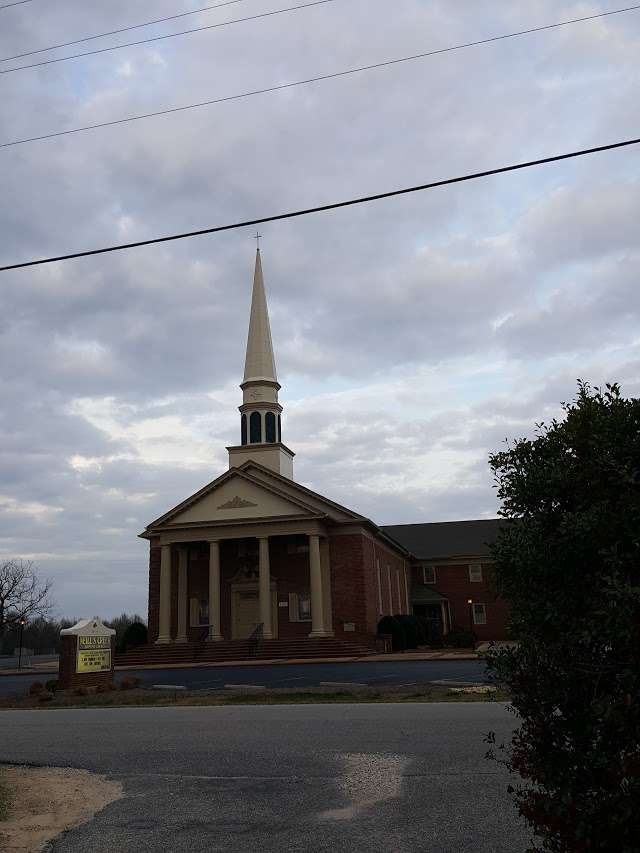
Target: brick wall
x=453, y=582
x=154, y=588
x=349, y=601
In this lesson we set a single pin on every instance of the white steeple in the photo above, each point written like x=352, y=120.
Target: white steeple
x=259, y=361
x=260, y=412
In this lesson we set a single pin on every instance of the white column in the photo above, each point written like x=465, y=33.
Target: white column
x=265, y=587
x=183, y=555
x=164, y=615
x=327, y=611
x=214, y=591
x=317, y=598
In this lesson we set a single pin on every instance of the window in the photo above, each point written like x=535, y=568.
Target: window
x=255, y=428
x=298, y=544
x=428, y=574
x=479, y=614
x=380, y=608
x=390, y=592
x=243, y=429
x=270, y=427
x=279, y=429
x=199, y=612
x=475, y=572
x=299, y=607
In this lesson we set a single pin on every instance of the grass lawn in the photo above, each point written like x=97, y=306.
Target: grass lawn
x=281, y=696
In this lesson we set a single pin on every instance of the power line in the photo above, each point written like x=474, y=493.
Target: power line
x=317, y=79
x=116, y=32
x=15, y=3
x=167, y=36
x=324, y=207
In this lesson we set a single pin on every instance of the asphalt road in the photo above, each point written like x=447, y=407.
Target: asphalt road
x=391, y=673
x=360, y=778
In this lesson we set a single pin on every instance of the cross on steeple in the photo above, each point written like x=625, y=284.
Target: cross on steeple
x=257, y=239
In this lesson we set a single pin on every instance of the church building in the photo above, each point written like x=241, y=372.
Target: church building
x=255, y=561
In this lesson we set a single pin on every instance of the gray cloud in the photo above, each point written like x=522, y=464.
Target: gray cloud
x=411, y=336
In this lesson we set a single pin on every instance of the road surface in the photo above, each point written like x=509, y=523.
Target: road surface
x=376, y=673
x=395, y=778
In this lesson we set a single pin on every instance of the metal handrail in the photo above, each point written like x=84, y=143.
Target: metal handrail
x=255, y=638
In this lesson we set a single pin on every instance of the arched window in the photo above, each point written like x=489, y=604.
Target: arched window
x=243, y=429
x=270, y=427
x=255, y=428
x=279, y=429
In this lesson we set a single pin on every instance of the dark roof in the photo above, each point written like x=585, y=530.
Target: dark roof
x=421, y=594
x=446, y=538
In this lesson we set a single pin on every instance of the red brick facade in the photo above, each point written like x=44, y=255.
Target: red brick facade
x=453, y=582
x=369, y=579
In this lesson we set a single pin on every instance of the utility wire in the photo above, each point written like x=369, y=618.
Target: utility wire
x=116, y=32
x=320, y=208
x=167, y=36
x=317, y=79
x=15, y=3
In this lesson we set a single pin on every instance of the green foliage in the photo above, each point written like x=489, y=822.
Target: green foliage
x=460, y=638
x=390, y=625
x=134, y=635
x=51, y=685
x=411, y=630
x=430, y=632
x=568, y=561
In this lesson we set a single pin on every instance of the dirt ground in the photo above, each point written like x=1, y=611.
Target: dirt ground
x=45, y=801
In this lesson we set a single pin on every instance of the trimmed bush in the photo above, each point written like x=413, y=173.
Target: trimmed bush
x=129, y=682
x=36, y=688
x=391, y=625
x=411, y=630
x=51, y=685
x=135, y=635
x=460, y=638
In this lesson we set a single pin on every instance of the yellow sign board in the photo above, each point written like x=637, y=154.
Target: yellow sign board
x=94, y=654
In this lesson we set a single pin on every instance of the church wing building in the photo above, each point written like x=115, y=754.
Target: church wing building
x=254, y=557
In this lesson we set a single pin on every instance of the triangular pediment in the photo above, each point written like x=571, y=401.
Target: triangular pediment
x=237, y=496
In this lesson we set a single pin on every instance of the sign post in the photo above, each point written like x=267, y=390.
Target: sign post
x=87, y=651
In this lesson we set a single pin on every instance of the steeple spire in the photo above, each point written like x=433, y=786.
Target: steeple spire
x=259, y=361
x=260, y=412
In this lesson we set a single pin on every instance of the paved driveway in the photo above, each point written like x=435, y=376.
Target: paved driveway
x=290, y=675
x=360, y=778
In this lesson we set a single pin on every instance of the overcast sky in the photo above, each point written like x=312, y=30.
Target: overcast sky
x=412, y=336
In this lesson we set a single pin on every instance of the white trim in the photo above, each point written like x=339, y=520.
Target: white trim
x=424, y=574
x=483, y=620
x=475, y=572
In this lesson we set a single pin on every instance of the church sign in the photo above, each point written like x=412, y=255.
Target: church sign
x=86, y=655
x=94, y=653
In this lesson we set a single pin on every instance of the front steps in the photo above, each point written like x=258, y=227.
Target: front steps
x=239, y=650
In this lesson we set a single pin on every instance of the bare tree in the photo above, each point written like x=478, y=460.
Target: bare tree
x=22, y=594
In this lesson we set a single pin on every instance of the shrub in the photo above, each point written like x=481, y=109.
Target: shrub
x=45, y=696
x=460, y=638
x=51, y=685
x=129, y=682
x=81, y=691
x=36, y=687
x=390, y=625
x=135, y=635
x=411, y=629
x=568, y=562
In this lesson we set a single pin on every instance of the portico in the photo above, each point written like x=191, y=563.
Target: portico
x=252, y=591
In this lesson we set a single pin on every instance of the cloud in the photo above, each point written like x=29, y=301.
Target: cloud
x=412, y=336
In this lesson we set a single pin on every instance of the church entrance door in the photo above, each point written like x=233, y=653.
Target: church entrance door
x=245, y=610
